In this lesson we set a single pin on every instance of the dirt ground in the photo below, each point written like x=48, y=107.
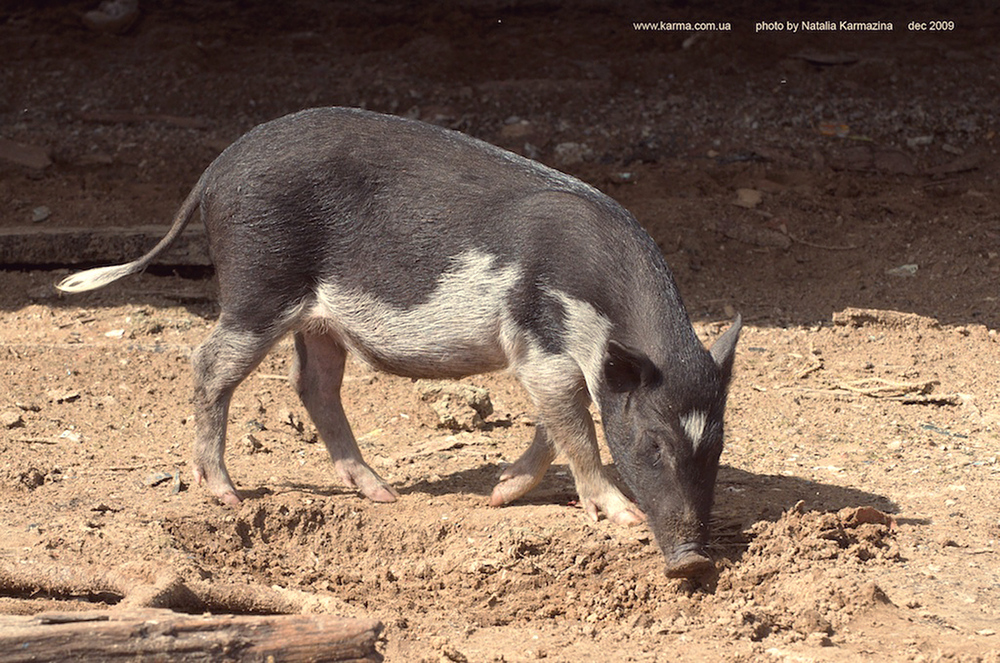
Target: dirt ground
x=838, y=188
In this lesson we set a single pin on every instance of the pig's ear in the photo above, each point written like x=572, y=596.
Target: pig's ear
x=626, y=369
x=724, y=349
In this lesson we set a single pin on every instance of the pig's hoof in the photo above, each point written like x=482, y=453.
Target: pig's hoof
x=229, y=498
x=628, y=517
x=356, y=474
x=384, y=494
x=616, y=507
x=512, y=485
x=689, y=563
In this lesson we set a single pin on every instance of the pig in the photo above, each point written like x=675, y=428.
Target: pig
x=431, y=254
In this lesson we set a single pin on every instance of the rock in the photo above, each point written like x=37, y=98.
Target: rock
x=567, y=154
x=251, y=445
x=60, y=396
x=31, y=478
x=40, y=213
x=70, y=435
x=811, y=621
x=864, y=515
x=157, y=478
x=903, y=271
x=518, y=129
x=11, y=419
x=624, y=177
x=748, y=198
x=918, y=141
x=113, y=16
x=457, y=406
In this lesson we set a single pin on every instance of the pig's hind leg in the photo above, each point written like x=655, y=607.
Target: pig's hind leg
x=317, y=375
x=221, y=363
x=527, y=471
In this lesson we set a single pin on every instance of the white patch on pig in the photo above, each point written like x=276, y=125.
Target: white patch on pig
x=586, y=339
x=693, y=424
x=464, y=327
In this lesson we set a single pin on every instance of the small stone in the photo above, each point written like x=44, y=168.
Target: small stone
x=59, y=396
x=903, y=271
x=748, y=198
x=624, y=177
x=31, y=478
x=113, y=16
x=458, y=406
x=11, y=419
x=918, y=141
x=40, y=213
x=819, y=639
x=518, y=129
x=567, y=154
x=252, y=445
x=157, y=478
x=449, y=653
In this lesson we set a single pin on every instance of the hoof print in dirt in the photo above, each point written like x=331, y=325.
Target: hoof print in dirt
x=456, y=406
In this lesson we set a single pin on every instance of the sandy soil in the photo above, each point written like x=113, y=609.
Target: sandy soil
x=796, y=179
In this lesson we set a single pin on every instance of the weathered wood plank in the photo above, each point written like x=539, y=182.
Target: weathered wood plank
x=155, y=634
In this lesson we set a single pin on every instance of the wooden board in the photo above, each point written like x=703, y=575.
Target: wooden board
x=154, y=634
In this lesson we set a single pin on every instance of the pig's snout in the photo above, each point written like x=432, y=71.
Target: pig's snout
x=688, y=560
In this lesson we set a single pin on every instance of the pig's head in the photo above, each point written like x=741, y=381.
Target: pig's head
x=663, y=424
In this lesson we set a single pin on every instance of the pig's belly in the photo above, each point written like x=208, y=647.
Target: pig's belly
x=462, y=329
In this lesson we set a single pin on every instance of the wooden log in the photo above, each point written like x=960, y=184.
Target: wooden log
x=29, y=245
x=153, y=586
x=154, y=634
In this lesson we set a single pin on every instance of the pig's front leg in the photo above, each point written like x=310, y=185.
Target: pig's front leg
x=559, y=393
x=317, y=375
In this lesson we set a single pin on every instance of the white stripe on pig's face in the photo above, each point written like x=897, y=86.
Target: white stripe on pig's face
x=464, y=327
x=693, y=423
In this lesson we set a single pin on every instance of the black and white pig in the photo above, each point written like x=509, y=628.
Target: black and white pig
x=431, y=254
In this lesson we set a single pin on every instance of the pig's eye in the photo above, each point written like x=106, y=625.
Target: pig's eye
x=652, y=448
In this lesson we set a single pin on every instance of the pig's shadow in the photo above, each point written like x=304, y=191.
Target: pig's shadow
x=741, y=498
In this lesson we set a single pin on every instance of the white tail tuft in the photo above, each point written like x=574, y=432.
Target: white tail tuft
x=92, y=279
